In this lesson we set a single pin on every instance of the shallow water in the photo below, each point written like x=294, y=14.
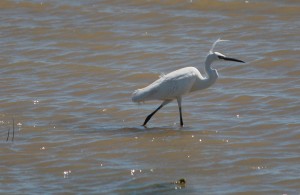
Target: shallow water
x=68, y=69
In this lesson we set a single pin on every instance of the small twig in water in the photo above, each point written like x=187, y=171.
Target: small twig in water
x=8, y=132
x=13, y=130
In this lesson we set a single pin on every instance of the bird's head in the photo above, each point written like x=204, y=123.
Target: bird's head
x=213, y=56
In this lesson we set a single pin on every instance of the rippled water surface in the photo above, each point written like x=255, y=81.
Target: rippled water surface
x=68, y=69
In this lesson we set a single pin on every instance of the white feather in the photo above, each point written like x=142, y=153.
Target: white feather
x=214, y=45
x=167, y=87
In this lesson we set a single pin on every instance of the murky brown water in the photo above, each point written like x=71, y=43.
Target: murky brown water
x=68, y=69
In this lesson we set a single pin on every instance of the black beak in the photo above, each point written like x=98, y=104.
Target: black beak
x=230, y=59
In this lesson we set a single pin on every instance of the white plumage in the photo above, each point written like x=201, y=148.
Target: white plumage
x=180, y=82
x=168, y=87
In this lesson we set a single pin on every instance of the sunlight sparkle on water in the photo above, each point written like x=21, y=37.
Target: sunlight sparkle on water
x=132, y=172
x=67, y=173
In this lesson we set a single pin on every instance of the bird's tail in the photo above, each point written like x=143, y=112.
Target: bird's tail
x=138, y=95
x=144, y=94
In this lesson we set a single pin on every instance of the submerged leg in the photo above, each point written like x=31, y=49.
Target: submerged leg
x=180, y=113
x=150, y=115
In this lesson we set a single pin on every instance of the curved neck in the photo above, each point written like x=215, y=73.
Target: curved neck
x=211, y=73
x=212, y=76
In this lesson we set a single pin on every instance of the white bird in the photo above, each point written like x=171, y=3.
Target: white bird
x=180, y=82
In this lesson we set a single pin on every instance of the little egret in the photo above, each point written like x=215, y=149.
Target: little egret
x=180, y=82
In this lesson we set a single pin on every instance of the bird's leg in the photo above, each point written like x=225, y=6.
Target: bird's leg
x=150, y=115
x=181, y=121
x=180, y=112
